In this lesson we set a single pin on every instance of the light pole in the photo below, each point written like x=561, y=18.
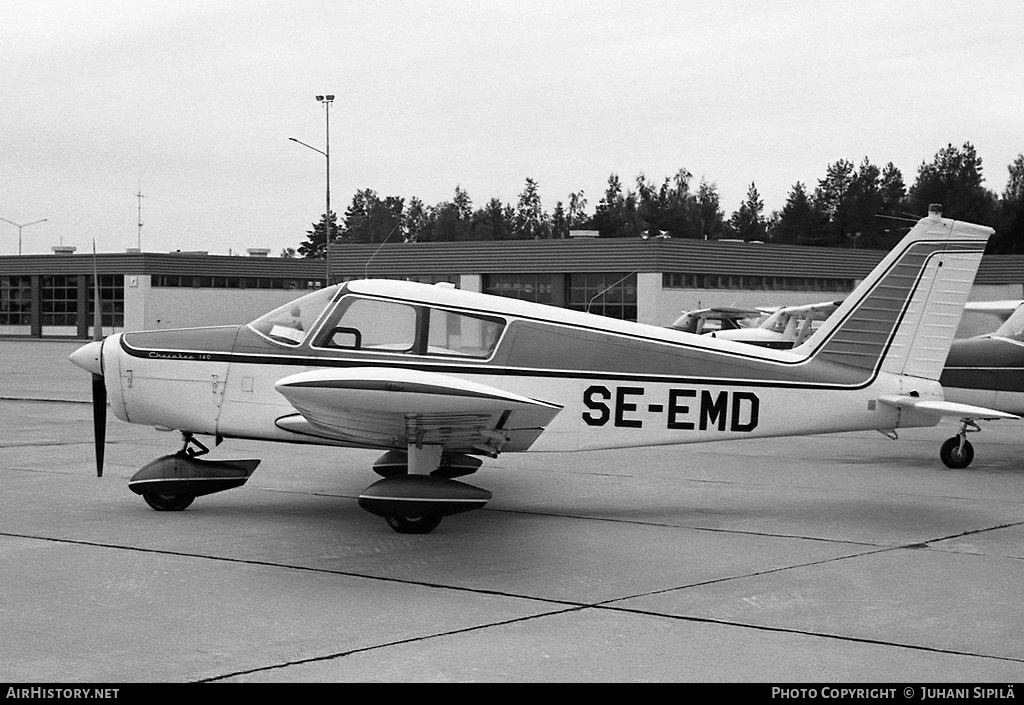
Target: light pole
x=19, y=226
x=326, y=100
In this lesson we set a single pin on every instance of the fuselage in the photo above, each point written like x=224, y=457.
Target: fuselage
x=987, y=371
x=620, y=384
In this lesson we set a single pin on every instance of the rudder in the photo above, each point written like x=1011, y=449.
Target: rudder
x=902, y=318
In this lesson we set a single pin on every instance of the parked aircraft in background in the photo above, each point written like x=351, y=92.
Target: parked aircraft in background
x=785, y=327
x=989, y=369
x=985, y=370
x=438, y=378
x=705, y=320
x=984, y=317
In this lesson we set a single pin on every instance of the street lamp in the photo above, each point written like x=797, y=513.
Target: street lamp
x=326, y=100
x=19, y=226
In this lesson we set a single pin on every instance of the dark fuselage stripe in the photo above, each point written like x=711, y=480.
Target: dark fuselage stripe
x=494, y=370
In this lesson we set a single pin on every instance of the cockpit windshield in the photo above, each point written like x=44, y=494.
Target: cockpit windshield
x=1014, y=326
x=290, y=323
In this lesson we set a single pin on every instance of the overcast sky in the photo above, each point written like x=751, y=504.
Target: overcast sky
x=194, y=102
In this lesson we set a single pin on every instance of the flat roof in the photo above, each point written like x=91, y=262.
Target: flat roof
x=507, y=257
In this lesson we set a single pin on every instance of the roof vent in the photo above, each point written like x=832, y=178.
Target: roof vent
x=63, y=249
x=258, y=251
x=577, y=234
x=935, y=210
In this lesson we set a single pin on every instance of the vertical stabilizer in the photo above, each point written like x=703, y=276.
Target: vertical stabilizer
x=903, y=316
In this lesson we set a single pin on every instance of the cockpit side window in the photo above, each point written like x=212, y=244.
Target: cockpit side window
x=369, y=324
x=289, y=324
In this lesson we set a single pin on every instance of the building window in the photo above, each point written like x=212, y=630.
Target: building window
x=59, y=301
x=674, y=280
x=198, y=282
x=111, y=301
x=15, y=301
x=611, y=294
x=528, y=287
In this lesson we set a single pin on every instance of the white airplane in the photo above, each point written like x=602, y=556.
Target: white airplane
x=989, y=369
x=984, y=317
x=785, y=327
x=985, y=365
x=719, y=318
x=437, y=377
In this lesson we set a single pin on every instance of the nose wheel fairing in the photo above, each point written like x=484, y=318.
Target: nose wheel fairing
x=171, y=482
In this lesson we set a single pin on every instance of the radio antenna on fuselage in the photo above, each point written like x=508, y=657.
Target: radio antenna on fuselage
x=366, y=267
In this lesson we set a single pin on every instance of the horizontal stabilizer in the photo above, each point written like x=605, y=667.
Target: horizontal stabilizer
x=941, y=407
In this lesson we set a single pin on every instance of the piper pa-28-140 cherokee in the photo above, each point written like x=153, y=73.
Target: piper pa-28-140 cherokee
x=437, y=377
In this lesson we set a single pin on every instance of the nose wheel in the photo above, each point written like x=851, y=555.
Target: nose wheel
x=168, y=502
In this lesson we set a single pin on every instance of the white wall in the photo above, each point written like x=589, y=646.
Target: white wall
x=471, y=282
x=136, y=289
x=155, y=308
x=649, y=295
x=996, y=292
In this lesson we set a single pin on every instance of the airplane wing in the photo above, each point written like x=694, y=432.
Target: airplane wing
x=822, y=307
x=691, y=321
x=394, y=407
x=945, y=408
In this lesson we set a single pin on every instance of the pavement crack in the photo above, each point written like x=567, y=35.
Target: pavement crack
x=972, y=532
x=375, y=647
x=301, y=568
x=610, y=604
x=821, y=635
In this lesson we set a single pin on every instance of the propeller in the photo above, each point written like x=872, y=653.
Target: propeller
x=99, y=419
x=99, y=388
x=90, y=358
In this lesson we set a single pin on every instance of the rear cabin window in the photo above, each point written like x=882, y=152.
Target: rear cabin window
x=458, y=334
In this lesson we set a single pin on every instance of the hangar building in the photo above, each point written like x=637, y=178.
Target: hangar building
x=650, y=280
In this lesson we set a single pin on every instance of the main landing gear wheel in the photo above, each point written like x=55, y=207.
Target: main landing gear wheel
x=954, y=456
x=167, y=502
x=407, y=524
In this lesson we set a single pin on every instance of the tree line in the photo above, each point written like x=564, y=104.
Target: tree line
x=863, y=206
